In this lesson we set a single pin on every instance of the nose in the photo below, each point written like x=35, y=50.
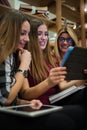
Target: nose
x=43, y=36
x=27, y=38
x=65, y=41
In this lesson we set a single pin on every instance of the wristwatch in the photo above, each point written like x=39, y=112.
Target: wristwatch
x=24, y=72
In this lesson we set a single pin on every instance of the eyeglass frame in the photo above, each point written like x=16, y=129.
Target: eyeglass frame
x=68, y=40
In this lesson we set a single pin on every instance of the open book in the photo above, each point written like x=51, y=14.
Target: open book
x=75, y=60
x=56, y=97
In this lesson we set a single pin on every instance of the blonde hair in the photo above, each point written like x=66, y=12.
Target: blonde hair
x=72, y=34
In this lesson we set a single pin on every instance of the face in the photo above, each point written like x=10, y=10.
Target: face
x=24, y=36
x=64, y=42
x=43, y=36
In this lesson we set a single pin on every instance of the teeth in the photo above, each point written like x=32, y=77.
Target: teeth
x=65, y=47
x=42, y=43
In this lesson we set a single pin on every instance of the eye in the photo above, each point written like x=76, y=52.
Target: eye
x=46, y=34
x=61, y=39
x=42, y=33
x=23, y=32
x=39, y=33
x=70, y=40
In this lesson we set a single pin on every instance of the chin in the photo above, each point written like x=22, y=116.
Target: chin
x=42, y=48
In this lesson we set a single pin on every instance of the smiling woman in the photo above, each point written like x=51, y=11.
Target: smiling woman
x=66, y=38
x=10, y=79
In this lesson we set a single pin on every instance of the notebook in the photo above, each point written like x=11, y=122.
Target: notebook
x=27, y=111
x=65, y=93
x=75, y=60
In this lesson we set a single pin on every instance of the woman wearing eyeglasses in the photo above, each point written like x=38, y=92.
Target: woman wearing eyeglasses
x=66, y=38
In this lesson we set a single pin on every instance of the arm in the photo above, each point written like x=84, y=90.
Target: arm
x=24, y=65
x=66, y=84
x=56, y=75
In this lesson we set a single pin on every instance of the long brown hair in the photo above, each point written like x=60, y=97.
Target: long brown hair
x=10, y=29
x=39, y=68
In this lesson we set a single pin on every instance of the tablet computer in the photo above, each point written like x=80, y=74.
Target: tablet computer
x=75, y=60
x=27, y=111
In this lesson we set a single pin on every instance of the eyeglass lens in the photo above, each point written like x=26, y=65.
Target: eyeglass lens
x=68, y=40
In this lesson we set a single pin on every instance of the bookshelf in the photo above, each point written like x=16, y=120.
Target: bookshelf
x=3, y=8
x=70, y=10
x=51, y=24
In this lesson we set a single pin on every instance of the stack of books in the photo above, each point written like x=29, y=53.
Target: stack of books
x=38, y=11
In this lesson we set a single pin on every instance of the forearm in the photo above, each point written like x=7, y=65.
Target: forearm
x=15, y=88
x=66, y=84
x=37, y=90
x=56, y=75
x=19, y=76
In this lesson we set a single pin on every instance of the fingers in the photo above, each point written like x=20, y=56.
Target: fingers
x=58, y=71
x=25, y=58
x=36, y=104
x=57, y=75
x=21, y=50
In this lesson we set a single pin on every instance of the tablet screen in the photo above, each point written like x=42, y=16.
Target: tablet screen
x=26, y=110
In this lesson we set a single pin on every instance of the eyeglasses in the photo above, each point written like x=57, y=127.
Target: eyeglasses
x=68, y=40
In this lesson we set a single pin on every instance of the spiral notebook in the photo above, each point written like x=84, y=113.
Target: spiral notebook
x=65, y=93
